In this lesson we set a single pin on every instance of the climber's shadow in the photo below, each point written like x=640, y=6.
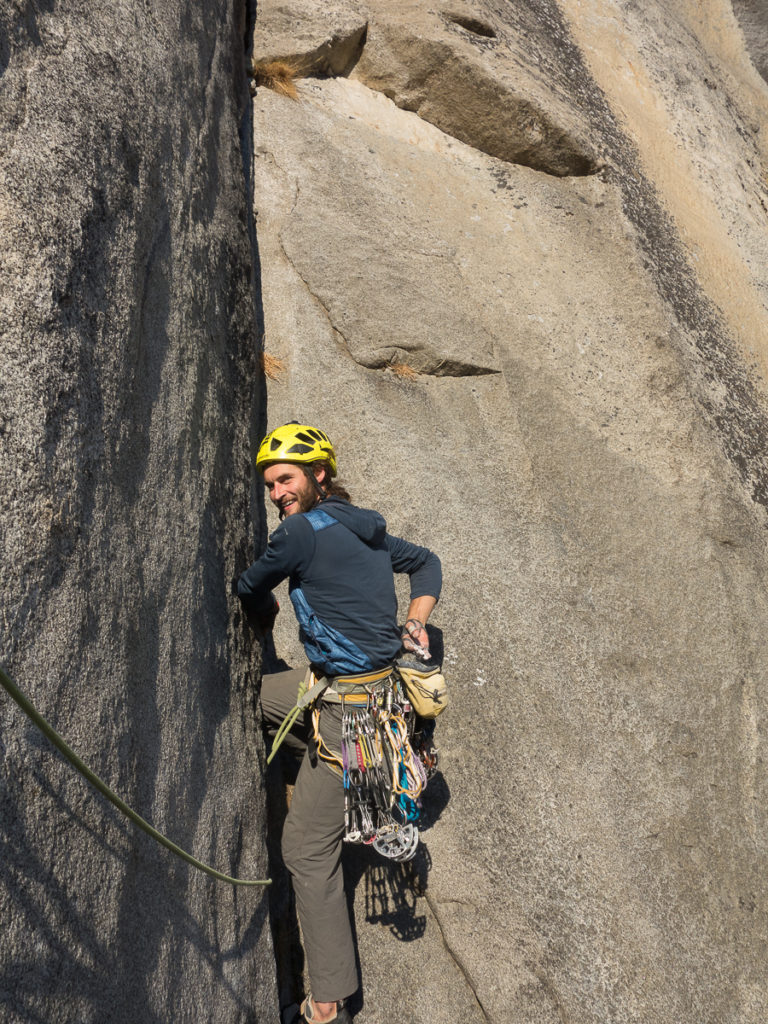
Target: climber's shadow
x=391, y=890
x=434, y=801
x=436, y=644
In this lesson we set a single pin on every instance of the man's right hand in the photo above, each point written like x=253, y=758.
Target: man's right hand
x=262, y=622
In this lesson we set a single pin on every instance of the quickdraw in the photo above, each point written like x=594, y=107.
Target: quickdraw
x=383, y=778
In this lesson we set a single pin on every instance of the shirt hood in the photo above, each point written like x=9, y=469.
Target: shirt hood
x=366, y=523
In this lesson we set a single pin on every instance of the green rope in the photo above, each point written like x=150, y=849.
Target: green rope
x=305, y=698
x=282, y=732
x=104, y=789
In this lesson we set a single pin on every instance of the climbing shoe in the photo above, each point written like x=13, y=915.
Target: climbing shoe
x=308, y=1009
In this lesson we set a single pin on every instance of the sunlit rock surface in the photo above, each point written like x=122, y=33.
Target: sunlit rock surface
x=556, y=214
x=512, y=258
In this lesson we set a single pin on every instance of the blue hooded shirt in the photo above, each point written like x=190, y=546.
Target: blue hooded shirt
x=345, y=571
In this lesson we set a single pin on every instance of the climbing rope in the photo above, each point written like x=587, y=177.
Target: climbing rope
x=28, y=708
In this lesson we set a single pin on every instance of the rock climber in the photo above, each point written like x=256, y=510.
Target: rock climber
x=340, y=568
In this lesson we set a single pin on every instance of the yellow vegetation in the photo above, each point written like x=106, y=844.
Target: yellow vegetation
x=278, y=75
x=271, y=366
x=403, y=370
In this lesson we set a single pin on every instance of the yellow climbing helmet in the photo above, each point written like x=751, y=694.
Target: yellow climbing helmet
x=296, y=442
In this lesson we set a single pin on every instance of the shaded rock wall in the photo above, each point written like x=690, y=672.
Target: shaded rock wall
x=584, y=445
x=753, y=19
x=129, y=387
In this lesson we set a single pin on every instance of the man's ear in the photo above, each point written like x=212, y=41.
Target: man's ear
x=321, y=472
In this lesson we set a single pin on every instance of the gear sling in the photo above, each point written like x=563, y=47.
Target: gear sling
x=382, y=777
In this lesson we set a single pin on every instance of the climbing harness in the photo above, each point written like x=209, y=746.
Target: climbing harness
x=383, y=773
x=47, y=730
x=423, y=743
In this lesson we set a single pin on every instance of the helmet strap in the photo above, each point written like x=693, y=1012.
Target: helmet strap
x=310, y=472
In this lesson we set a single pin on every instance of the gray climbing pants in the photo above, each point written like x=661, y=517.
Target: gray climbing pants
x=312, y=841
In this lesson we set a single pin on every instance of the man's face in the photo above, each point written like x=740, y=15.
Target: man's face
x=289, y=488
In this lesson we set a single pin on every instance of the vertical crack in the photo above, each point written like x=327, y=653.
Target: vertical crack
x=461, y=967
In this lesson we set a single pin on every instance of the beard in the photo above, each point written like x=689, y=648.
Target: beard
x=308, y=499
x=304, y=498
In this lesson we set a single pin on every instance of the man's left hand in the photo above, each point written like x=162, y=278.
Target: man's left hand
x=414, y=638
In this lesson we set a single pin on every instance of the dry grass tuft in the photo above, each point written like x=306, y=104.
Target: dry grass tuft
x=271, y=366
x=403, y=370
x=278, y=75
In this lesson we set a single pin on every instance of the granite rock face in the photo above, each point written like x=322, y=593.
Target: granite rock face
x=512, y=257
x=129, y=390
x=555, y=215
x=753, y=19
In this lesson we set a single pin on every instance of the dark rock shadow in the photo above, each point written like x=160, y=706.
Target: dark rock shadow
x=286, y=936
x=68, y=942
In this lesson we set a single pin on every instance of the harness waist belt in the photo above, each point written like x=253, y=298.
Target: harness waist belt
x=355, y=688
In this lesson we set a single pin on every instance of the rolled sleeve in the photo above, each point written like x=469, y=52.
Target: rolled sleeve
x=422, y=566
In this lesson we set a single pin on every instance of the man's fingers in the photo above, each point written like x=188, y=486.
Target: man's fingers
x=416, y=640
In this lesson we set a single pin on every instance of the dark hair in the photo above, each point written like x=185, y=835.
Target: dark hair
x=331, y=487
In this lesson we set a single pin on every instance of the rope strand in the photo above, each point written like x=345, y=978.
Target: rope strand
x=48, y=731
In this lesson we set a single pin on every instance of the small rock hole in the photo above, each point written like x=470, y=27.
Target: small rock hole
x=478, y=28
